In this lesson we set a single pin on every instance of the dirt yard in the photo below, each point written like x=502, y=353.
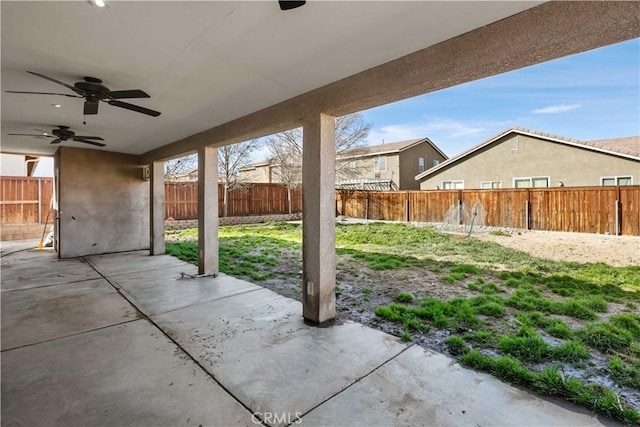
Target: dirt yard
x=580, y=247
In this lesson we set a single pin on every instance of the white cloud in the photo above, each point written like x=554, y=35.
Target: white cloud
x=451, y=136
x=554, y=109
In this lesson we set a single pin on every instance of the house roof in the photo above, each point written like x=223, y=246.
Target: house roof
x=628, y=147
x=392, y=148
x=255, y=165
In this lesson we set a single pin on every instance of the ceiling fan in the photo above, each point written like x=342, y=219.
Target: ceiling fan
x=63, y=133
x=93, y=91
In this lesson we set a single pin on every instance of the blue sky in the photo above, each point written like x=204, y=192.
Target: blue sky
x=588, y=96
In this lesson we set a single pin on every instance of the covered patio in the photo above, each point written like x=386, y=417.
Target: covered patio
x=128, y=339
x=99, y=332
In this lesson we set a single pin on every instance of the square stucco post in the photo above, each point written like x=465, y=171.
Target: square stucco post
x=318, y=225
x=157, y=208
x=208, y=211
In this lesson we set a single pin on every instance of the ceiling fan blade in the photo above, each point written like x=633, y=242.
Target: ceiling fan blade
x=122, y=94
x=97, y=138
x=44, y=93
x=56, y=141
x=287, y=5
x=136, y=108
x=51, y=79
x=86, y=141
x=30, y=134
x=90, y=107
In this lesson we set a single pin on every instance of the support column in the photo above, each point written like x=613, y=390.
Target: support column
x=157, y=208
x=318, y=225
x=208, y=211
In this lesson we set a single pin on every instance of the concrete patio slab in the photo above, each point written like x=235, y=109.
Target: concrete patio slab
x=35, y=315
x=113, y=265
x=162, y=290
x=258, y=346
x=421, y=387
x=124, y=375
x=44, y=271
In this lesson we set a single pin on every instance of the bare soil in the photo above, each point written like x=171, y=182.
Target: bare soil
x=359, y=290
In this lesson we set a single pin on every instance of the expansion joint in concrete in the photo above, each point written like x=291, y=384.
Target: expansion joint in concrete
x=357, y=380
x=169, y=337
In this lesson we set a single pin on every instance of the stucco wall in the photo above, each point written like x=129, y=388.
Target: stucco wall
x=535, y=158
x=409, y=164
x=103, y=203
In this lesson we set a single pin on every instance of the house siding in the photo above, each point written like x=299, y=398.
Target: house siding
x=409, y=164
x=534, y=157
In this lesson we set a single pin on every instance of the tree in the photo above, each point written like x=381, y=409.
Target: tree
x=230, y=159
x=286, y=150
x=180, y=166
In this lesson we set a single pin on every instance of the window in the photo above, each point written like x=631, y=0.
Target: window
x=487, y=185
x=452, y=185
x=514, y=144
x=535, y=182
x=380, y=164
x=351, y=166
x=421, y=164
x=436, y=162
x=617, y=180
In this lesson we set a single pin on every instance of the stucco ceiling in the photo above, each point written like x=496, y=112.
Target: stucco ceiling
x=204, y=63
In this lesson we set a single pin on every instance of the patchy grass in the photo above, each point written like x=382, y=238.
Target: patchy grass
x=531, y=316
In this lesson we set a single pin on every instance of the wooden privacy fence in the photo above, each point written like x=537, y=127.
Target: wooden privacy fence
x=612, y=210
x=181, y=200
x=25, y=200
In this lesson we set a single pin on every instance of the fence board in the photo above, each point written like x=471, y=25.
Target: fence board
x=25, y=200
x=630, y=211
x=181, y=200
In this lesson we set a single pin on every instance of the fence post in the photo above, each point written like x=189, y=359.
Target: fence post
x=617, y=212
x=406, y=208
x=527, y=208
x=39, y=200
x=366, y=207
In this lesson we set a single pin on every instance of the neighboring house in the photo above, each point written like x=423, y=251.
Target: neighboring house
x=387, y=166
x=377, y=167
x=191, y=176
x=262, y=172
x=17, y=165
x=520, y=158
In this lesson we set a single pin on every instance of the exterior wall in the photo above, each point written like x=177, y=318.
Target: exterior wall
x=365, y=169
x=12, y=165
x=103, y=203
x=409, y=164
x=535, y=158
x=258, y=174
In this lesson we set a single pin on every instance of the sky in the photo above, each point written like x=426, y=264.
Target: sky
x=588, y=96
